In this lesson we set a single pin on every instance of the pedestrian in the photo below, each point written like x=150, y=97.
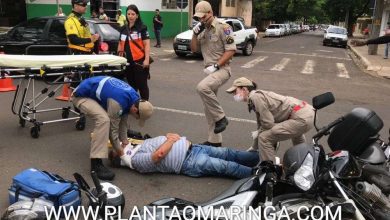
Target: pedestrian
x=94, y=15
x=59, y=12
x=80, y=40
x=120, y=18
x=174, y=154
x=134, y=44
x=278, y=117
x=157, y=25
x=216, y=42
x=387, y=33
x=102, y=15
x=109, y=101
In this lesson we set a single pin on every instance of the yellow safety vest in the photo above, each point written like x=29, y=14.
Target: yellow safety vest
x=73, y=26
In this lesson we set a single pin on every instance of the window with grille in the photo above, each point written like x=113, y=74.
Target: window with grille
x=169, y=4
x=230, y=3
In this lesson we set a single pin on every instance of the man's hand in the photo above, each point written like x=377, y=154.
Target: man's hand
x=172, y=137
x=198, y=28
x=210, y=69
x=358, y=43
x=94, y=38
x=125, y=143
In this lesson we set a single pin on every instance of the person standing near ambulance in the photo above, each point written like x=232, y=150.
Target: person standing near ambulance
x=134, y=45
x=216, y=42
x=80, y=40
x=278, y=117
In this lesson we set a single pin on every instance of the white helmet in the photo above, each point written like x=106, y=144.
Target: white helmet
x=114, y=197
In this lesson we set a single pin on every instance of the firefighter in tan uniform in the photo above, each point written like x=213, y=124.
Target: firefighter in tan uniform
x=80, y=40
x=278, y=117
x=216, y=42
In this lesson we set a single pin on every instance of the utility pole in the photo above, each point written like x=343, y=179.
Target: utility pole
x=376, y=26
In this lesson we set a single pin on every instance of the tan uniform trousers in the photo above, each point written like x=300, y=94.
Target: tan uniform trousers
x=101, y=130
x=293, y=128
x=207, y=90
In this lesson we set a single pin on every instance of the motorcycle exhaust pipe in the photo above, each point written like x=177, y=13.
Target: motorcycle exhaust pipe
x=373, y=193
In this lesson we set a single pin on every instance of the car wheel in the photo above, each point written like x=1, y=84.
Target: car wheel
x=179, y=54
x=247, y=51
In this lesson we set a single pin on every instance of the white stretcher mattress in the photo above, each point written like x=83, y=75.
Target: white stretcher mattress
x=37, y=61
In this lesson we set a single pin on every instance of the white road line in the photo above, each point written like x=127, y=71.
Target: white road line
x=201, y=114
x=326, y=51
x=169, y=51
x=343, y=73
x=166, y=59
x=190, y=61
x=302, y=54
x=281, y=65
x=252, y=63
x=309, y=67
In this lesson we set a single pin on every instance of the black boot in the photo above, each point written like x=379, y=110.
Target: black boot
x=211, y=144
x=102, y=172
x=221, y=125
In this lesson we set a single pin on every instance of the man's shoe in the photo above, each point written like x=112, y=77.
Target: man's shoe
x=385, y=57
x=220, y=125
x=102, y=172
x=211, y=144
x=158, y=46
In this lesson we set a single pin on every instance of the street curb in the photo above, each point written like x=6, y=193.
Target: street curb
x=378, y=70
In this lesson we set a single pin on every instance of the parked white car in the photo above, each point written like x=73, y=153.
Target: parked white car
x=244, y=38
x=335, y=35
x=275, y=30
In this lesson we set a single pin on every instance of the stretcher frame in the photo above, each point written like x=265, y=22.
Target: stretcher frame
x=28, y=110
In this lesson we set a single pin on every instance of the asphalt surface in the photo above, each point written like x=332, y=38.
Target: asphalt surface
x=296, y=65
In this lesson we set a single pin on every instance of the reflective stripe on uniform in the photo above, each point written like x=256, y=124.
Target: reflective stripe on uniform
x=100, y=87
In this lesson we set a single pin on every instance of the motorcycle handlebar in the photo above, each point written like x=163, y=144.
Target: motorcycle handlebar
x=323, y=131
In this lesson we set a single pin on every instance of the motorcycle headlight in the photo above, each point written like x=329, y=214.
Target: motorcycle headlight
x=304, y=176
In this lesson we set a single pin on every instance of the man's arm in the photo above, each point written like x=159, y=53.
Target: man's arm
x=114, y=113
x=165, y=148
x=194, y=43
x=226, y=56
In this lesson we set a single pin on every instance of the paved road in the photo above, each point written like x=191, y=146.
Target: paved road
x=296, y=65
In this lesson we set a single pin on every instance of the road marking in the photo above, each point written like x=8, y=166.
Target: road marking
x=343, y=73
x=326, y=51
x=190, y=61
x=166, y=59
x=169, y=51
x=201, y=114
x=281, y=65
x=252, y=63
x=269, y=41
x=308, y=68
x=302, y=54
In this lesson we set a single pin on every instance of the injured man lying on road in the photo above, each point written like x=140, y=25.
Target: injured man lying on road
x=174, y=154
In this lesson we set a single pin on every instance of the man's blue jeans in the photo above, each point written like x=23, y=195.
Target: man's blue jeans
x=157, y=32
x=204, y=160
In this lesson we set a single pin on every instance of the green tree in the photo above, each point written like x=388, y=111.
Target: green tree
x=346, y=9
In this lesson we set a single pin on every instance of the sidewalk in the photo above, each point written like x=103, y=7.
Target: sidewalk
x=375, y=64
x=165, y=49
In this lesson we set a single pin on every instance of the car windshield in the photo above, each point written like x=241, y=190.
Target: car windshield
x=273, y=27
x=109, y=31
x=337, y=31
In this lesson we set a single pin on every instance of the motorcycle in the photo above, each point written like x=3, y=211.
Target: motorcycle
x=267, y=194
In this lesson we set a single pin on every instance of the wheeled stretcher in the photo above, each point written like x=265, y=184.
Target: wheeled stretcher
x=56, y=72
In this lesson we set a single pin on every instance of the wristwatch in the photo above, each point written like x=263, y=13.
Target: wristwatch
x=216, y=66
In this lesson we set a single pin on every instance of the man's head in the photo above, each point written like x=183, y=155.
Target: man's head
x=241, y=88
x=157, y=11
x=101, y=10
x=80, y=6
x=142, y=110
x=119, y=12
x=203, y=12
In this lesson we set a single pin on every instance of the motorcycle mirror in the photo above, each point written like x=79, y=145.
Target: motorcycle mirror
x=323, y=100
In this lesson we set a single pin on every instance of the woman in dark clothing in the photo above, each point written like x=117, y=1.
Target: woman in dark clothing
x=134, y=44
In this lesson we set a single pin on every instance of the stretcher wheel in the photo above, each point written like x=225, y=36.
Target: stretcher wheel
x=65, y=113
x=34, y=131
x=22, y=122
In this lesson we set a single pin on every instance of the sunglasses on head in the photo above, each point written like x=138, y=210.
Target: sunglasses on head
x=83, y=4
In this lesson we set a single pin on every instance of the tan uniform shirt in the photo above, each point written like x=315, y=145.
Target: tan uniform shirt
x=270, y=107
x=215, y=40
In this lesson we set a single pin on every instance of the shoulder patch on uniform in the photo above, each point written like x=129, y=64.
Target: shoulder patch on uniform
x=227, y=29
x=229, y=39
